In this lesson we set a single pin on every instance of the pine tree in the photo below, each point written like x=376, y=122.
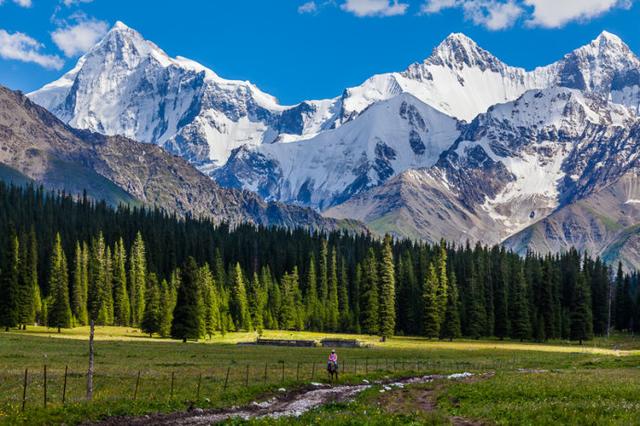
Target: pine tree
x=28, y=279
x=370, y=320
x=623, y=301
x=9, y=283
x=332, y=302
x=98, y=281
x=476, y=312
x=257, y=301
x=451, y=326
x=387, y=291
x=168, y=296
x=355, y=298
x=323, y=271
x=32, y=273
x=137, y=279
x=581, y=322
x=520, y=322
x=343, y=298
x=80, y=287
x=121, y=306
x=409, y=296
x=209, y=316
x=151, y=320
x=443, y=282
x=547, y=304
x=291, y=308
x=314, y=313
x=186, y=320
x=105, y=311
x=59, y=308
x=431, y=309
x=238, y=304
x=501, y=298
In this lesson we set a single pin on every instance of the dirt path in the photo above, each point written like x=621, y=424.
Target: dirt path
x=288, y=404
x=413, y=399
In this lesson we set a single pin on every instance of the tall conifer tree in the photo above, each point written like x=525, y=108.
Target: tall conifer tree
x=186, y=318
x=9, y=282
x=432, y=320
x=137, y=279
x=60, y=308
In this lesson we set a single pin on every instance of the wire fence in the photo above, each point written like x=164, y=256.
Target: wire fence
x=47, y=387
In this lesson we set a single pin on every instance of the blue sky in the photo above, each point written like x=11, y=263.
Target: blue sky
x=300, y=49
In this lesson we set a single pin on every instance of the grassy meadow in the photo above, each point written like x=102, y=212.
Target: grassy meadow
x=598, y=383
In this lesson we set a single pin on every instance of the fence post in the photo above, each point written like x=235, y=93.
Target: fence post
x=90, y=372
x=24, y=388
x=246, y=376
x=173, y=378
x=45, y=385
x=226, y=379
x=355, y=366
x=313, y=370
x=366, y=366
x=283, y=371
x=199, y=383
x=266, y=366
x=64, y=387
x=135, y=392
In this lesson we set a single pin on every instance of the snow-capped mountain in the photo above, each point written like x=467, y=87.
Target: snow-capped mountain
x=511, y=167
x=460, y=145
x=605, y=66
x=387, y=138
x=459, y=79
x=39, y=149
x=128, y=86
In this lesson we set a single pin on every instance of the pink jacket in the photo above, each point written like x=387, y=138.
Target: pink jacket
x=333, y=357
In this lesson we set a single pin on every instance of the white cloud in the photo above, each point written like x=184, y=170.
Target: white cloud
x=76, y=39
x=492, y=14
x=308, y=7
x=364, y=8
x=75, y=2
x=20, y=47
x=435, y=6
x=501, y=14
x=22, y=3
x=555, y=14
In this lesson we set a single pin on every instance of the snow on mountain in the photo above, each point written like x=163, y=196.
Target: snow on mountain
x=387, y=138
x=605, y=66
x=532, y=139
x=511, y=167
x=127, y=85
x=459, y=78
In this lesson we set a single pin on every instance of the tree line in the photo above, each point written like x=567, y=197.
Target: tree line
x=65, y=261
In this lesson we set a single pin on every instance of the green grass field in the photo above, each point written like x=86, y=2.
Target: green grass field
x=598, y=383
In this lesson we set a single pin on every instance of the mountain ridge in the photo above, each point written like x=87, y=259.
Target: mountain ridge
x=42, y=148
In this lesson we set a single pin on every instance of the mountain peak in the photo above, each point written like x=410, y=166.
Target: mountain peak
x=119, y=25
x=457, y=41
x=607, y=37
x=458, y=51
x=606, y=43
